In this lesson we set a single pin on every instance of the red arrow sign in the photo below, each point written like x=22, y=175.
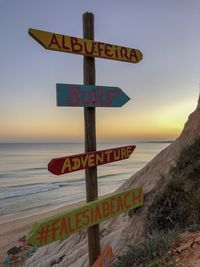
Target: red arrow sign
x=105, y=258
x=73, y=163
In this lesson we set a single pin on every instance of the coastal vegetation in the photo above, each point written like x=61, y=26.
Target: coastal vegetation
x=175, y=209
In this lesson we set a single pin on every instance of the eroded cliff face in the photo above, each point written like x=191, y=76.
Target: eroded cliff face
x=123, y=230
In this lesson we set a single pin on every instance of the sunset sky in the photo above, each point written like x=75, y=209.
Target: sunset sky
x=163, y=87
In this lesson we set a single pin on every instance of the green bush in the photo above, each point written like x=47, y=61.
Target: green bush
x=176, y=207
x=149, y=253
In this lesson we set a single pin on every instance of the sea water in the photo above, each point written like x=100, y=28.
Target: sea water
x=26, y=183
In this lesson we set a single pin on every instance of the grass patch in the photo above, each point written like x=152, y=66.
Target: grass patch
x=176, y=207
x=151, y=252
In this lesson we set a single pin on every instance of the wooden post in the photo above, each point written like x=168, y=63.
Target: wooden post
x=90, y=139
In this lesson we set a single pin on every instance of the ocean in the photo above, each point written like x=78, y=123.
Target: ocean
x=26, y=183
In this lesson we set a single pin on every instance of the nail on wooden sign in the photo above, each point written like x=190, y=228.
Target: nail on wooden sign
x=85, y=47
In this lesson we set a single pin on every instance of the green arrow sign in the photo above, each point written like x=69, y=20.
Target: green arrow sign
x=66, y=223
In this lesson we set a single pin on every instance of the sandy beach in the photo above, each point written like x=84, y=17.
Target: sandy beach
x=13, y=227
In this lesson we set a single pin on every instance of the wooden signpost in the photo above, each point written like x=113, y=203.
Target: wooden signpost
x=90, y=139
x=73, y=163
x=86, y=47
x=65, y=223
x=88, y=96
x=105, y=259
x=75, y=95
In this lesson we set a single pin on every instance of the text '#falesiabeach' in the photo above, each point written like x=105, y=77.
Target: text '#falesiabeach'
x=66, y=223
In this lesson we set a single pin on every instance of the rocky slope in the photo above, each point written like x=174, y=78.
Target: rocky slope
x=187, y=252
x=123, y=230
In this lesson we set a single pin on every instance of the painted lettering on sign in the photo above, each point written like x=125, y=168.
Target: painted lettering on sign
x=105, y=259
x=66, y=223
x=69, y=44
x=75, y=95
x=68, y=164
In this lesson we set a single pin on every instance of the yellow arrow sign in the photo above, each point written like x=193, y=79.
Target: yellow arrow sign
x=66, y=223
x=69, y=44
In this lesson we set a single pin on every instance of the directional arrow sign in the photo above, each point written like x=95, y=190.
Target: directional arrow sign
x=105, y=259
x=64, y=165
x=63, y=224
x=75, y=95
x=69, y=44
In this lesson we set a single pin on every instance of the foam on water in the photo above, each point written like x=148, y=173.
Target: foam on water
x=27, y=184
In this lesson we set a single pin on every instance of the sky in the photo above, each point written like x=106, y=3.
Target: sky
x=163, y=87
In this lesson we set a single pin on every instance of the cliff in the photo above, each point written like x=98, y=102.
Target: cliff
x=124, y=230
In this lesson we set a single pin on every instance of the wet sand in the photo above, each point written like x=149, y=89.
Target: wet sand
x=13, y=227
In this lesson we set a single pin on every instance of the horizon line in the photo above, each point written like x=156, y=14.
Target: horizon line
x=80, y=142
